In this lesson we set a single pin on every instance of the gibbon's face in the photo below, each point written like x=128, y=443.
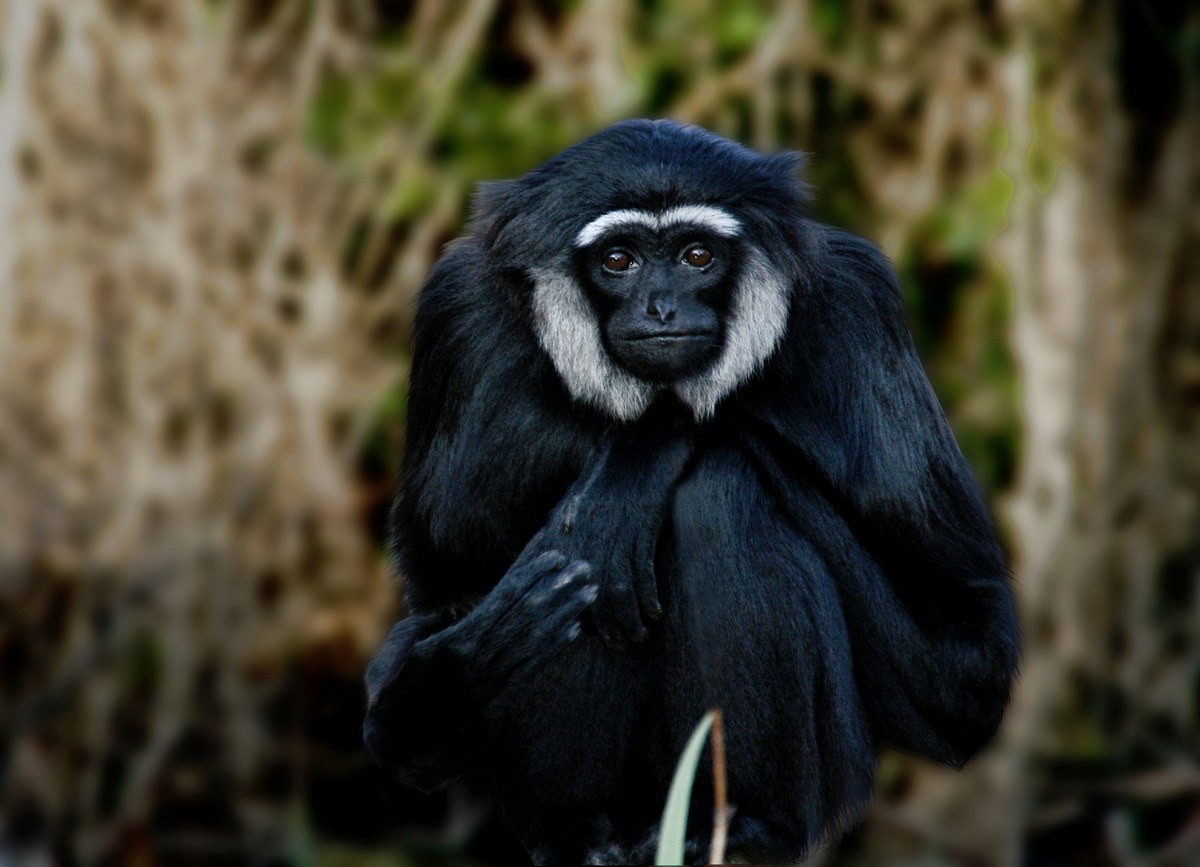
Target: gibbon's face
x=673, y=299
x=660, y=293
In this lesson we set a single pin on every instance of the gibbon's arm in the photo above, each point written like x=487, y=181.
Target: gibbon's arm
x=430, y=685
x=612, y=518
x=416, y=725
x=860, y=454
x=432, y=682
x=493, y=443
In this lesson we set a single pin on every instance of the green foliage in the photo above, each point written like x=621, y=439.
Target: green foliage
x=381, y=449
x=739, y=26
x=141, y=665
x=831, y=20
x=1049, y=149
x=326, y=126
x=959, y=303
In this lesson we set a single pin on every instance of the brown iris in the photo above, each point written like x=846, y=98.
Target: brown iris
x=697, y=256
x=618, y=260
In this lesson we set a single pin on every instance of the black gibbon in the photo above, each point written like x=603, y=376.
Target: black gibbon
x=669, y=448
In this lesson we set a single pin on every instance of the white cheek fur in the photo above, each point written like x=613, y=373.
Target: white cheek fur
x=758, y=320
x=569, y=333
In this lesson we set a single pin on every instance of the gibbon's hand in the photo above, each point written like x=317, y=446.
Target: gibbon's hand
x=529, y=616
x=612, y=517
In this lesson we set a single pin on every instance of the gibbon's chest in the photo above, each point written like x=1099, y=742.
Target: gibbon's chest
x=749, y=623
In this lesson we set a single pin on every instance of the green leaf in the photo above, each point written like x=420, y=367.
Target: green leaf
x=673, y=832
x=329, y=115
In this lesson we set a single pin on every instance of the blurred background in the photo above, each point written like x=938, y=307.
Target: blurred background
x=214, y=217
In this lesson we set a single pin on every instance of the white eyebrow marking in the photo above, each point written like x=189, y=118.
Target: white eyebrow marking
x=715, y=219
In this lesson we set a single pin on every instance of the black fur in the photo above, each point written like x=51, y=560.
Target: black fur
x=827, y=571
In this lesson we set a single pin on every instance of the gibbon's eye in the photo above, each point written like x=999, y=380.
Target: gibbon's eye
x=618, y=260
x=697, y=256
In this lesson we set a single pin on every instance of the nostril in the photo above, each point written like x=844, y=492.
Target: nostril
x=661, y=309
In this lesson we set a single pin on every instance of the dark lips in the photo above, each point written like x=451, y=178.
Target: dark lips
x=668, y=335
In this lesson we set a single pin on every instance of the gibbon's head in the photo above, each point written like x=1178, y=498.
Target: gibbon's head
x=660, y=256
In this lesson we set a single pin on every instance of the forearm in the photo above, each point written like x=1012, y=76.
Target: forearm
x=420, y=717
x=612, y=517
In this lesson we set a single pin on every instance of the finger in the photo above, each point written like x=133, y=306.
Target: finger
x=616, y=617
x=521, y=578
x=645, y=581
x=556, y=586
x=646, y=589
x=628, y=624
x=602, y=624
x=573, y=606
x=558, y=624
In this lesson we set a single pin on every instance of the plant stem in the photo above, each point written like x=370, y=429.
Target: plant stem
x=721, y=810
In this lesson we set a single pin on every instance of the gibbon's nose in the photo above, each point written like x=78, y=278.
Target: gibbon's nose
x=662, y=308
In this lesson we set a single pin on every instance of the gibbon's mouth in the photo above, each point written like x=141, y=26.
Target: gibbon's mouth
x=668, y=336
x=664, y=356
